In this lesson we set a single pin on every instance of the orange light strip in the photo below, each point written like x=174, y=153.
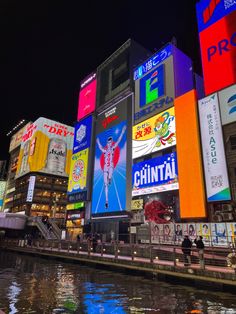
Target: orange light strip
x=191, y=181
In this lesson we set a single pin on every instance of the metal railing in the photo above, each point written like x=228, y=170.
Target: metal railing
x=215, y=259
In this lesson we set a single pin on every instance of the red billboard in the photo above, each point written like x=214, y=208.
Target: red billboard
x=87, y=97
x=218, y=49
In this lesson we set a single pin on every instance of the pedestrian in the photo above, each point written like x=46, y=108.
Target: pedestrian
x=95, y=242
x=78, y=238
x=186, y=249
x=200, y=247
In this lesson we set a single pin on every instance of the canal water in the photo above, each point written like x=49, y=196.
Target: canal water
x=35, y=285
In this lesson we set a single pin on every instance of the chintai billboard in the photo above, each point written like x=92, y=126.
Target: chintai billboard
x=159, y=174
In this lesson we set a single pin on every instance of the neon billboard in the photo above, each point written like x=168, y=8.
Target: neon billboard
x=109, y=184
x=218, y=49
x=87, y=97
x=159, y=174
x=211, y=11
x=154, y=134
x=46, y=147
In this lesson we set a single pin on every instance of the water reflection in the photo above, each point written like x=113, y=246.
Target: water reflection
x=35, y=285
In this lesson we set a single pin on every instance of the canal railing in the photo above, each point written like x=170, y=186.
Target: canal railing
x=215, y=259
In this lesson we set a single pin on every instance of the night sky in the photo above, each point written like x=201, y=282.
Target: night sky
x=48, y=47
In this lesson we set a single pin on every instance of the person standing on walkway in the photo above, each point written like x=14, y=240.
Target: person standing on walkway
x=186, y=249
x=200, y=247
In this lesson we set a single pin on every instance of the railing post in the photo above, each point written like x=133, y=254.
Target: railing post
x=68, y=248
x=132, y=252
x=174, y=256
x=116, y=250
x=59, y=246
x=151, y=255
x=89, y=248
x=102, y=249
x=78, y=247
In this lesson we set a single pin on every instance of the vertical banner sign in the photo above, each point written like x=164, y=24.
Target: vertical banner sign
x=30, y=193
x=216, y=177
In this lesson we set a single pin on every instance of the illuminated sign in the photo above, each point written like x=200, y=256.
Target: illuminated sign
x=87, y=97
x=155, y=175
x=137, y=204
x=75, y=206
x=210, y=11
x=152, y=62
x=151, y=86
x=155, y=91
x=46, y=147
x=218, y=50
x=154, y=134
x=82, y=137
x=191, y=177
x=17, y=138
x=113, y=115
x=109, y=183
x=2, y=192
x=87, y=80
x=216, y=176
x=227, y=99
x=30, y=192
x=78, y=172
x=160, y=105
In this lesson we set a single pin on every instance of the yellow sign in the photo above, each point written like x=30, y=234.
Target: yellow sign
x=154, y=134
x=137, y=204
x=73, y=223
x=46, y=147
x=78, y=172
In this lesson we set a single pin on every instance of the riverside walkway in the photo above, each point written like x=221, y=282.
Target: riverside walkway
x=161, y=261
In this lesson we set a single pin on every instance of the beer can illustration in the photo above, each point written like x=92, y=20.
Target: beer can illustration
x=56, y=159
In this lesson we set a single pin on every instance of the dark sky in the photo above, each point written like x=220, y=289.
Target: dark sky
x=48, y=47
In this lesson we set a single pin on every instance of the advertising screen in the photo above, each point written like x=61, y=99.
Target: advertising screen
x=152, y=86
x=155, y=175
x=152, y=62
x=17, y=138
x=155, y=91
x=87, y=97
x=191, y=177
x=227, y=99
x=218, y=50
x=154, y=134
x=46, y=147
x=109, y=184
x=78, y=172
x=216, y=177
x=2, y=192
x=82, y=137
x=210, y=11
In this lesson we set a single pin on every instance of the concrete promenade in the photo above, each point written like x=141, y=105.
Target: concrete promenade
x=162, y=261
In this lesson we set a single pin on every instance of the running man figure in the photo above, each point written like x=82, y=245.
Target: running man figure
x=108, y=152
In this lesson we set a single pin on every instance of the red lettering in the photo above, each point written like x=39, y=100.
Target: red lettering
x=52, y=129
x=59, y=132
x=108, y=120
